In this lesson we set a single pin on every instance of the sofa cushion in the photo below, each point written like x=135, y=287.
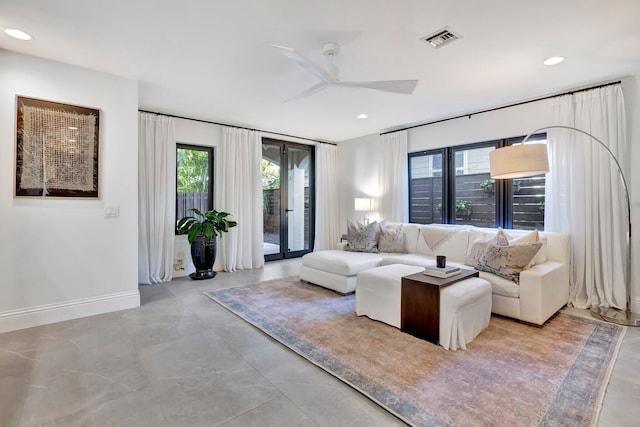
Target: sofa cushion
x=443, y=240
x=362, y=238
x=501, y=286
x=415, y=259
x=409, y=259
x=339, y=262
x=392, y=240
x=508, y=261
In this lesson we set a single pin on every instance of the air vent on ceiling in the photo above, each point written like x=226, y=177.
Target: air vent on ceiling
x=441, y=37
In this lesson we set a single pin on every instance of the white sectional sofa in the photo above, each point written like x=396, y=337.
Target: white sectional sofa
x=542, y=291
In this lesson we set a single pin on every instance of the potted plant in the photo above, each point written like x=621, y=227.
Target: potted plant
x=202, y=233
x=463, y=208
x=488, y=185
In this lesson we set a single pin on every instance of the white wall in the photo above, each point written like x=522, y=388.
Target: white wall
x=61, y=258
x=505, y=123
x=358, y=158
x=357, y=176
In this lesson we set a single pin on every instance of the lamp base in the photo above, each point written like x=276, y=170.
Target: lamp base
x=614, y=315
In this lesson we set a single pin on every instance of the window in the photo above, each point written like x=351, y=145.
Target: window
x=194, y=179
x=453, y=185
x=527, y=195
x=472, y=205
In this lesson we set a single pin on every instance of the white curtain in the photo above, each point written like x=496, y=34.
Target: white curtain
x=584, y=194
x=327, y=208
x=238, y=190
x=393, y=203
x=156, y=197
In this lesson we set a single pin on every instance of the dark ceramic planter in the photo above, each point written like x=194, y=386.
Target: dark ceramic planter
x=203, y=254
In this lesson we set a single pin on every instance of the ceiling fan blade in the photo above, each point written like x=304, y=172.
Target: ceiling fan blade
x=310, y=91
x=306, y=63
x=405, y=87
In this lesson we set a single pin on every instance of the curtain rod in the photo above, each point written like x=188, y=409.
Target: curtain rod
x=571, y=92
x=233, y=126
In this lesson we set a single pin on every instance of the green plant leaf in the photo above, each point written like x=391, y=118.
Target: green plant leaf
x=194, y=231
x=208, y=230
x=197, y=212
x=185, y=224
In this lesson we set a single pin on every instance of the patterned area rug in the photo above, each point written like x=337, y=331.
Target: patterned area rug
x=510, y=375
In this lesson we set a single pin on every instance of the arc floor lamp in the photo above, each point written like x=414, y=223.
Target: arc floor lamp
x=519, y=161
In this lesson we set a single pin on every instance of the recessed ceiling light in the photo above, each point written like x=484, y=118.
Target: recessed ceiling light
x=17, y=34
x=362, y=116
x=553, y=60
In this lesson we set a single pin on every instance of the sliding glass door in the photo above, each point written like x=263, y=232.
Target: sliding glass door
x=287, y=189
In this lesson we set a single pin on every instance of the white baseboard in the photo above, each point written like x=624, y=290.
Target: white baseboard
x=52, y=313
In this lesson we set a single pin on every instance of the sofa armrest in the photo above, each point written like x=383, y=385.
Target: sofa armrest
x=544, y=289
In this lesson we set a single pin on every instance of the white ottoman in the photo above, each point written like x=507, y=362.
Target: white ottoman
x=465, y=311
x=378, y=292
x=336, y=269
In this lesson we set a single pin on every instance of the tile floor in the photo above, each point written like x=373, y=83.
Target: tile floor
x=183, y=360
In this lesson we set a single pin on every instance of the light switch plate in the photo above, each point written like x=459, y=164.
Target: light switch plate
x=112, y=211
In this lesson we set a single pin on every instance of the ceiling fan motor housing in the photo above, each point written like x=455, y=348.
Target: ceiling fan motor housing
x=331, y=49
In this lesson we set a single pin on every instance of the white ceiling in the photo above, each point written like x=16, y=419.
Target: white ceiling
x=213, y=60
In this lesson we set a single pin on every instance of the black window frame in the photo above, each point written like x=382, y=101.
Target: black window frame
x=210, y=151
x=503, y=187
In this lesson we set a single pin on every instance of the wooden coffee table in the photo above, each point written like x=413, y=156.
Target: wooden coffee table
x=420, y=303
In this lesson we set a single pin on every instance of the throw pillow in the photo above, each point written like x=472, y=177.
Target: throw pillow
x=508, y=261
x=532, y=237
x=477, y=249
x=362, y=239
x=391, y=241
x=501, y=238
x=480, y=245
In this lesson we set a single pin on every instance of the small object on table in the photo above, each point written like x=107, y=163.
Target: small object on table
x=441, y=272
x=344, y=237
x=441, y=261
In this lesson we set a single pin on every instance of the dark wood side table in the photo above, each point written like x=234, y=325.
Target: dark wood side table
x=420, y=303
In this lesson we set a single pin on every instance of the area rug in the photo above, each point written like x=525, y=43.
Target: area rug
x=511, y=375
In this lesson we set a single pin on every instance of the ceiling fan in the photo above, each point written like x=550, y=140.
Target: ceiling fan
x=405, y=87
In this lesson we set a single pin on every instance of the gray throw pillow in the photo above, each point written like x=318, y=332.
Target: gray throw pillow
x=391, y=240
x=362, y=238
x=507, y=261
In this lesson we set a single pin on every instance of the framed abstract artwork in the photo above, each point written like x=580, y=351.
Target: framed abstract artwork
x=57, y=149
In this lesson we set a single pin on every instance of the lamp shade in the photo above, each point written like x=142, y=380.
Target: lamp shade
x=519, y=161
x=362, y=204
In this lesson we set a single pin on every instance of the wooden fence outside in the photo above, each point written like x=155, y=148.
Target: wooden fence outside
x=426, y=199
